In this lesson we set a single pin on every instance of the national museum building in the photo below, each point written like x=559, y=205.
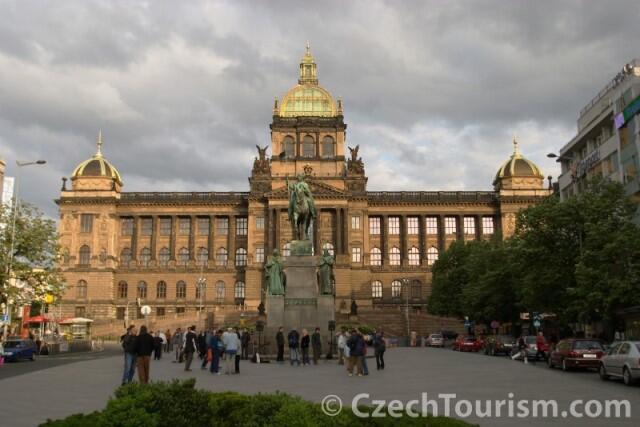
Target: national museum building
x=201, y=255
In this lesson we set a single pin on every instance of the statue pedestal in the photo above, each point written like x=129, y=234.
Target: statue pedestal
x=302, y=306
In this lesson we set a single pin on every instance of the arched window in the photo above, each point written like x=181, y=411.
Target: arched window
x=203, y=255
x=414, y=256
x=81, y=289
x=289, y=147
x=376, y=289
x=286, y=249
x=220, y=291
x=181, y=289
x=125, y=256
x=394, y=256
x=396, y=289
x=201, y=289
x=145, y=256
x=432, y=255
x=328, y=246
x=163, y=256
x=375, y=258
x=183, y=256
x=241, y=257
x=142, y=289
x=308, y=147
x=238, y=291
x=161, y=289
x=123, y=289
x=328, y=147
x=222, y=256
x=85, y=255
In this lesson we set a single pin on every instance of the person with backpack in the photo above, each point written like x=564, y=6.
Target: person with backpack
x=294, y=346
x=190, y=344
x=379, y=347
x=128, y=341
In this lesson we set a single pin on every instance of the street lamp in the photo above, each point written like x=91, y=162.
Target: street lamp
x=560, y=157
x=405, y=283
x=16, y=206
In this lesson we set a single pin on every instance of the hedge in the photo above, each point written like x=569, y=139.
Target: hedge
x=180, y=404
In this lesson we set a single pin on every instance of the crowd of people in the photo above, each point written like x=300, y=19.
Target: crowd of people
x=223, y=350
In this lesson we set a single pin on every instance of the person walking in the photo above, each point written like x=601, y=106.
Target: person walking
x=143, y=347
x=177, y=342
x=167, y=345
x=294, y=346
x=280, y=345
x=342, y=342
x=379, y=347
x=157, y=346
x=190, y=343
x=540, y=344
x=356, y=350
x=238, y=354
x=316, y=345
x=231, y=344
x=245, y=340
x=304, y=347
x=217, y=348
x=128, y=341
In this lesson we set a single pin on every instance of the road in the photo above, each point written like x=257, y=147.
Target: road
x=85, y=385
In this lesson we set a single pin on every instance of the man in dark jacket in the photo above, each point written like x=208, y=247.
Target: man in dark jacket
x=217, y=348
x=128, y=341
x=356, y=352
x=280, y=344
x=189, y=347
x=143, y=348
x=244, y=341
x=294, y=346
x=316, y=345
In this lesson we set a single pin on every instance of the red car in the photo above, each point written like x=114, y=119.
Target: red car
x=576, y=353
x=467, y=343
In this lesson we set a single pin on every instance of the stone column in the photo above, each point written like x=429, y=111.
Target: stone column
x=192, y=237
x=441, y=235
x=404, y=231
x=384, y=236
x=134, y=239
x=460, y=229
x=478, y=219
x=316, y=234
x=231, y=240
x=338, y=242
x=172, y=238
x=270, y=232
x=154, y=236
x=276, y=229
x=422, y=239
x=346, y=220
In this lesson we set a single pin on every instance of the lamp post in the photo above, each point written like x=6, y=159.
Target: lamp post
x=16, y=206
x=405, y=283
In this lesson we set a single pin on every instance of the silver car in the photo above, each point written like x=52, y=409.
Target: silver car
x=622, y=361
x=435, y=340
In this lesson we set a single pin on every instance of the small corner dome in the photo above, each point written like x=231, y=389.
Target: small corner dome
x=97, y=166
x=518, y=166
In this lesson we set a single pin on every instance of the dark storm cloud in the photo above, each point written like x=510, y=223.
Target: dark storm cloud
x=184, y=90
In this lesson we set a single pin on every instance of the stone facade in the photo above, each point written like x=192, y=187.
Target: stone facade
x=117, y=241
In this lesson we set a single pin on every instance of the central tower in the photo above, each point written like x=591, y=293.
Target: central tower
x=308, y=131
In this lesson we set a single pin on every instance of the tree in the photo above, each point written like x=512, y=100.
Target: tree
x=35, y=255
x=449, y=279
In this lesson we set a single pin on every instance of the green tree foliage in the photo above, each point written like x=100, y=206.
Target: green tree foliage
x=450, y=277
x=35, y=255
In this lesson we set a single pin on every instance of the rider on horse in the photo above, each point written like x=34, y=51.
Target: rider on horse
x=302, y=209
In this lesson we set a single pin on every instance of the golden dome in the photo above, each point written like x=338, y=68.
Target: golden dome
x=97, y=166
x=518, y=166
x=307, y=98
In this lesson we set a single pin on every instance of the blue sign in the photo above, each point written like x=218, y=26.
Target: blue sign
x=536, y=323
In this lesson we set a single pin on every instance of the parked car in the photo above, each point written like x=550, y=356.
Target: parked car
x=16, y=348
x=466, y=343
x=499, y=344
x=435, y=340
x=622, y=361
x=449, y=335
x=576, y=353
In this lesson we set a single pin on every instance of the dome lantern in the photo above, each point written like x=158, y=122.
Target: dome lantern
x=518, y=172
x=96, y=173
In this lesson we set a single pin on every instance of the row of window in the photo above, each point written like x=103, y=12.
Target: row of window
x=202, y=255
x=200, y=289
x=308, y=147
x=184, y=226
x=415, y=289
x=431, y=225
x=413, y=256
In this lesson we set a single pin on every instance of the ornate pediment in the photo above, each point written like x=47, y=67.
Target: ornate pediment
x=319, y=189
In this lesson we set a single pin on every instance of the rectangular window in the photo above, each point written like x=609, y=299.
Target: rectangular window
x=126, y=226
x=394, y=225
x=355, y=223
x=180, y=310
x=241, y=226
x=184, y=226
x=146, y=226
x=259, y=223
x=241, y=257
x=165, y=226
x=259, y=254
x=81, y=312
x=222, y=226
x=203, y=226
x=432, y=226
x=86, y=223
x=374, y=225
x=450, y=225
x=487, y=225
x=412, y=225
x=160, y=312
x=356, y=254
x=120, y=312
x=469, y=225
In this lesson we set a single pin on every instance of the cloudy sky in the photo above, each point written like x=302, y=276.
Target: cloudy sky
x=433, y=91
